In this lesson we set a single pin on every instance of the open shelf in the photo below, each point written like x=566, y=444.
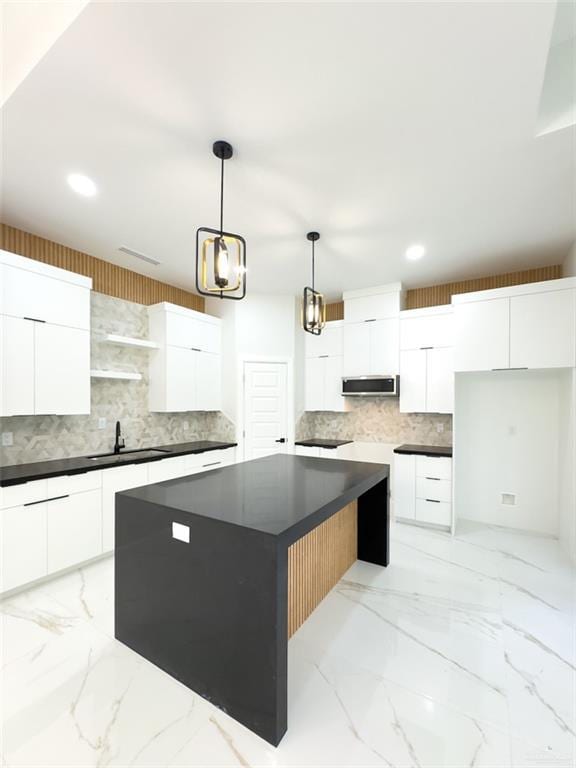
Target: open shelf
x=127, y=341
x=115, y=375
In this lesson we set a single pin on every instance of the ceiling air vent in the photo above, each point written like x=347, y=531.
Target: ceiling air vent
x=137, y=255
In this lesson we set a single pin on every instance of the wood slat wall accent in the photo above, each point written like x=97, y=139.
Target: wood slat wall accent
x=317, y=561
x=434, y=295
x=107, y=278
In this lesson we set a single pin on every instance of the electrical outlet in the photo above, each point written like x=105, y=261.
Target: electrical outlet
x=508, y=499
x=7, y=439
x=185, y=426
x=102, y=422
x=439, y=428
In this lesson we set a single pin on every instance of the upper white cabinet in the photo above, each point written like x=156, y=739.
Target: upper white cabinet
x=524, y=326
x=426, y=361
x=542, y=330
x=324, y=370
x=45, y=339
x=371, y=331
x=185, y=372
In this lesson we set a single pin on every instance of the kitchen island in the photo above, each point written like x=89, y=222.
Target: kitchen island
x=216, y=570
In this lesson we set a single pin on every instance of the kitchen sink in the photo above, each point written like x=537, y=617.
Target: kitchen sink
x=137, y=453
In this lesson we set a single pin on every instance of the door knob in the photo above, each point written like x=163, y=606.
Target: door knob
x=281, y=440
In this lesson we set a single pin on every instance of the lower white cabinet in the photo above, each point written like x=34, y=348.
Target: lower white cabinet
x=74, y=529
x=422, y=489
x=114, y=480
x=166, y=469
x=24, y=556
x=313, y=450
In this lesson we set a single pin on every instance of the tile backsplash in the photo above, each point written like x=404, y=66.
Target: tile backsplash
x=36, y=438
x=377, y=419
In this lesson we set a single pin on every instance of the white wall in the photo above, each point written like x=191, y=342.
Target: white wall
x=508, y=435
x=567, y=495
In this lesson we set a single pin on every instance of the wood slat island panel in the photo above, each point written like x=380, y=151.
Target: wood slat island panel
x=317, y=561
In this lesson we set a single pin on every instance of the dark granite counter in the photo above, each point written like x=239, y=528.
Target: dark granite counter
x=319, y=442
x=425, y=450
x=208, y=568
x=15, y=474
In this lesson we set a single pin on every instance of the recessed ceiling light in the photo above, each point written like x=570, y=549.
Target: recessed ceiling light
x=415, y=252
x=81, y=184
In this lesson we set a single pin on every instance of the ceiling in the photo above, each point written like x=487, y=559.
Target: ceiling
x=379, y=124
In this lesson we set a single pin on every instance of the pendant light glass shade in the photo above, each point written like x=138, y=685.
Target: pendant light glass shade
x=313, y=305
x=220, y=255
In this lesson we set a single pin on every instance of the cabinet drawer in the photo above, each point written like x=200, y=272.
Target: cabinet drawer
x=212, y=459
x=437, y=490
x=25, y=493
x=435, y=512
x=307, y=450
x=166, y=469
x=436, y=468
x=87, y=481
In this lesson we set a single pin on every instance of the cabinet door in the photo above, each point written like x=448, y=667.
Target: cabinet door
x=439, y=380
x=23, y=537
x=166, y=469
x=207, y=337
x=426, y=331
x=209, y=381
x=384, y=344
x=114, y=480
x=74, y=529
x=181, y=389
x=357, y=349
x=413, y=381
x=17, y=367
x=333, y=400
x=404, y=486
x=315, y=383
x=542, y=330
x=29, y=294
x=62, y=369
x=482, y=335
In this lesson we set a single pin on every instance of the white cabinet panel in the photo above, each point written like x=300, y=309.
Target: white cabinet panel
x=17, y=367
x=181, y=384
x=180, y=330
x=86, y=481
x=413, y=381
x=114, y=480
x=166, y=469
x=542, y=330
x=328, y=453
x=314, y=383
x=62, y=369
x=375, y=307
x=333, y=400
x=433, y=330
x=482, y=335
x=29, y=294
x=404, y=486
x=434, y=467
x=24, y=493
x=439, y=380
x=209, y=381
x=23, y=545
x=436, y=490
x=357, y=349
x=307, y=450
x=384, y=359
x=434, y=512
x=329, y=342
x=74, y=527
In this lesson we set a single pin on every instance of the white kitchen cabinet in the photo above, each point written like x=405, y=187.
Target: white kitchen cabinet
x=323, y=384
x=373, y=303
x=439, y=380
x=317, y=451
x=114, y=480
x=74, y=529
x=17, y=367
x=166, y=469
x=413, y=381
x=371, y=348
x=404, y=486
x=543, y=330
x=482, y=335
x=61, y=369
x=329, y=342
x=185, y=372
x=425, y=328
x=422, y=489
x=23, y=545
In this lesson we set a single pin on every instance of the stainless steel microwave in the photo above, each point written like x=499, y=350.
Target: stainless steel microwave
x=371, y=386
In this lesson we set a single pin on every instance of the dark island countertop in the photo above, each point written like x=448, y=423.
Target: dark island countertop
x=319, y=442
x=15, y=474
x=425, y=450
x=281, y=495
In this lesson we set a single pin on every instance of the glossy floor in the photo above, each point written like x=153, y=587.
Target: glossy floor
x=461, y=653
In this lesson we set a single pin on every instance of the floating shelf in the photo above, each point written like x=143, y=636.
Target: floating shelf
x=127, y=341
x=115, y=375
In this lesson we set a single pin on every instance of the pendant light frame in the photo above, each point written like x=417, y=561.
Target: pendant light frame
x=208, y=240
x=313, y=304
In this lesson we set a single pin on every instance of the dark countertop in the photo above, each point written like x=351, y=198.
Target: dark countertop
x=23, y=473
x=425, y=450
x=319, y=442
x=281, y=495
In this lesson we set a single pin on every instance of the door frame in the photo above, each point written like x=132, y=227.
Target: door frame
x=290, y=415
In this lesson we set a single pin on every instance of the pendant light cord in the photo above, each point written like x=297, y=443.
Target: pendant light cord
x=222, y=198
x=312, y=264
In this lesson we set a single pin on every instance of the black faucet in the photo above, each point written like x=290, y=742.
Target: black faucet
x=120, y=442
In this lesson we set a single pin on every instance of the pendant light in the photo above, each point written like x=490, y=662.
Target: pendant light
x=220, y=255
x=313, y=306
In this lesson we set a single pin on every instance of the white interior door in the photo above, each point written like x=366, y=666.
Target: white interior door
x=265, y=409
